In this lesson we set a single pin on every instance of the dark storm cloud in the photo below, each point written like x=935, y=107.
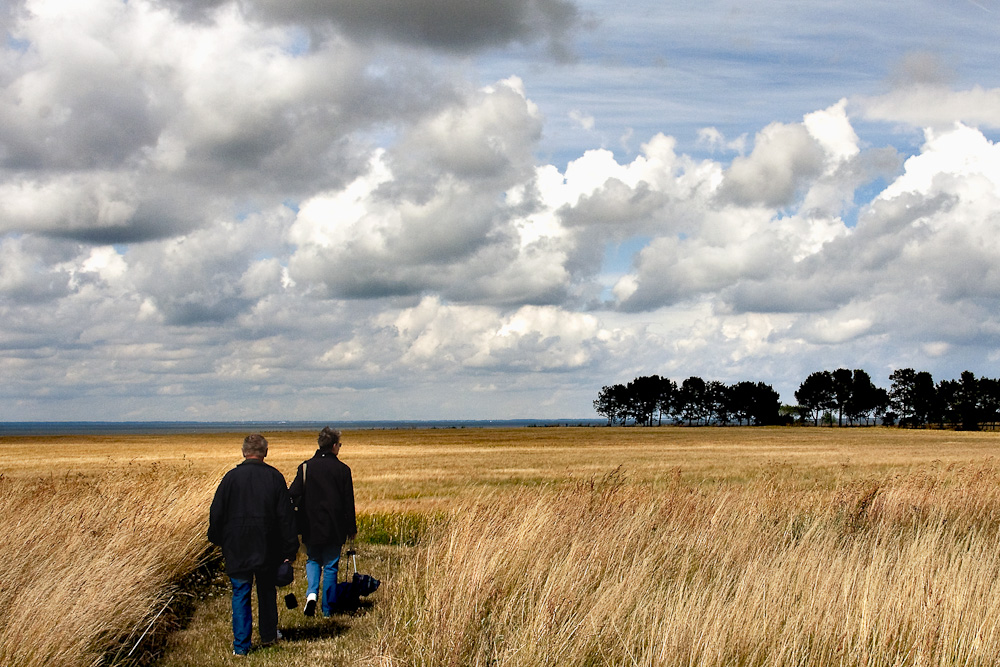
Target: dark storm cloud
x=452, y=25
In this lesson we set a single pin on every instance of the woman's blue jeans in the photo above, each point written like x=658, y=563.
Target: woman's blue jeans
x=267, y=611
x=322, y=561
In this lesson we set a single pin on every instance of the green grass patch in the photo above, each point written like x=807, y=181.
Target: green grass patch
x=394, y=528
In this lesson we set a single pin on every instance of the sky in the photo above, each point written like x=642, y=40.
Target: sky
x=445, y=209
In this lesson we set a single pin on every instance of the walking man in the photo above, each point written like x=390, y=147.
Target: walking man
x=252, y=519
x=323, y=493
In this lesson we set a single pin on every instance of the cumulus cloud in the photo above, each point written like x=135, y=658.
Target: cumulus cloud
x=213, y=274
x=119, y=123
x=919, y=251
x=916, y=268
x=101, y=207
x=431, y=213
x=435, y=336
x=762, y=217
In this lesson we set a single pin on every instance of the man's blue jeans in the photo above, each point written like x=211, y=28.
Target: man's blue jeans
x=322, y=561
x=267, y=611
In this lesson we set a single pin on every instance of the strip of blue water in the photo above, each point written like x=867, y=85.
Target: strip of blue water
x=168, y=427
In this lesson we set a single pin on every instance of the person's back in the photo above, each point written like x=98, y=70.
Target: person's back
x=251, y=518
x=247, y=517
x=323, y=493
x=328, y=497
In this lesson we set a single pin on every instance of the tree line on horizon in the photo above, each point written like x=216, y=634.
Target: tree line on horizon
x=824, y=397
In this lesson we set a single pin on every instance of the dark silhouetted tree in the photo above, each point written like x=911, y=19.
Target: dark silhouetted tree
x=643, y=397
x=613, y=403
x=843, y=381
x=902, y=392
x=925, y=398
x=742, y=398
x=864, y=397
x=690, y=402
x=881, y=403
x=665, y=398
x=968, y=402
x=989, y=397
x=717, y=402
x=816, y=393
x=913, y=396
x=765, y=405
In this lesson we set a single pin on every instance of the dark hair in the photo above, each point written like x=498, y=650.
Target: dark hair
x=328, y=437
x=255, y=445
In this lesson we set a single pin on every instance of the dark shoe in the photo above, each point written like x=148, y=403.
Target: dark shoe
x=310, y=608
x=274, y=641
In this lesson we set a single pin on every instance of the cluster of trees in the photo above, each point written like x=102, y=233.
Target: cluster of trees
x=913, y=398
x=844, y=395
x=651, y=399
x=852, y=394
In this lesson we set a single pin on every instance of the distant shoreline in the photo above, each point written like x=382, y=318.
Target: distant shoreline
x=167, y=427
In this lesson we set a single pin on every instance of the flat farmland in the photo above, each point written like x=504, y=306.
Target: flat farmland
x=418, y=469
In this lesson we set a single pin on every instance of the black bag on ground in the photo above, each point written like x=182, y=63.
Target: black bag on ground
x=350, y=592
x=285, y=575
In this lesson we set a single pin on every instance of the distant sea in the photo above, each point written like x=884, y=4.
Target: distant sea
x=167, y=427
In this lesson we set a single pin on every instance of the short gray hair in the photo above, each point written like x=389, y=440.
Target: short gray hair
x=255, y=445
x=328, y=437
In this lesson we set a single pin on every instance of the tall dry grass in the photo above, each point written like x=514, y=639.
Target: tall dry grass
x=723, y=546
x=898, y=570
x=89, y=562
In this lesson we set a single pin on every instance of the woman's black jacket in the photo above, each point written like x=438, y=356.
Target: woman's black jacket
x=323, y=492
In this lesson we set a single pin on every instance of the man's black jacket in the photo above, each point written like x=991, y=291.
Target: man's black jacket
x=324, y=490
x=252, y=519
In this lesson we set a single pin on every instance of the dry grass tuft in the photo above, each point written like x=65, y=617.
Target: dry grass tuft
x=90, y=561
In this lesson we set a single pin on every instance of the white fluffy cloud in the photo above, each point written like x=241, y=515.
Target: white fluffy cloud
x=918, y=265
x=930, y=105
x=430, y=214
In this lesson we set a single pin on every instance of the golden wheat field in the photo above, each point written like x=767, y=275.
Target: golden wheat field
x=562, y=546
